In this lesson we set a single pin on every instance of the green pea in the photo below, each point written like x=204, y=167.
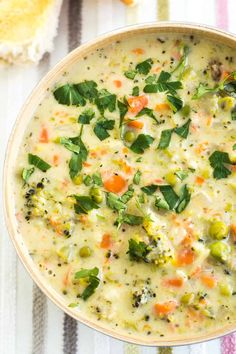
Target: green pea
x=226, y=289
x=129, y=136
x=186, y=110
x=220, y=250
x=85, y=251
x=218, y=230
x=96, y=194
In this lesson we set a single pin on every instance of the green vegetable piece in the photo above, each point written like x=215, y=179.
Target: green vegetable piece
x=161, y=204
x=149, y=190
x=144, y=67
x=86, y=116
x=129, y=219
x=114, y=202
x=105, y=100
x=187, y=298
x=183, y=131
x=181, y=175
x=170, y=177
x=220, y=250
x=129, y=136
x=123, y=109
x=130, y=74
x=225, y=289
x=127, y=195
x=93, y=280
x=184, y=199
x=101, y=128
x=68, y=144
x=170, y=196
x=135, y=91
x=97, y=179
x=96, y=195
x=87, y=89
x=75, y=165
x=185, y=111
x=84, y=204
x=175, y=103
x=218, y=230
x=38, y=162
x=88, y=180
x=137, y=177
x=218, y=159
x=162, y=84
x=142, y=143
x=165, y=138
x=26, y=173
x=69, y=95
x=233, y=114
x=202, y=90
x=149, y=112
x=138, y=251
x=85, y=252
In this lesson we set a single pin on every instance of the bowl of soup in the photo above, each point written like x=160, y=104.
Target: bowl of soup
x=120, y=184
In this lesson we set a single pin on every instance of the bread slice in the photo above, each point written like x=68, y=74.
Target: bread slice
x=27, y=29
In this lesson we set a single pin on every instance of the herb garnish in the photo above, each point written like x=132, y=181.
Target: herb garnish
x=69, y=145
x=86, y=116
x=150, y=189
x=165, y=138
x=101, y=128
x=84, y=204
x=135, y=91
x=105, y=100
x=130, y=74
x=137, y=177
x=69, y=95
x=142, y=143
x=182, y=62
x=148, y=112
x=129, y=219
x=38, y=162
x=26, y=173
x=183, y=130
x=144, y=67
x=162, y=84
x=88, y=89
x=93, y=280
x=175, y=202
x=123, y=108
x=79, y=153
x=138, y=251
x=175, y=103
x=218, y=159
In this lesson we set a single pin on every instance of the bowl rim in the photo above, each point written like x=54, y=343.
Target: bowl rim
x=25, y=115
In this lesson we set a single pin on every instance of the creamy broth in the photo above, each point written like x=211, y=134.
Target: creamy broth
x=133, y=221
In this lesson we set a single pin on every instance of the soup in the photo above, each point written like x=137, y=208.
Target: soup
x=125, y=186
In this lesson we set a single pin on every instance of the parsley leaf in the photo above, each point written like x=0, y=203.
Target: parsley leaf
x=114, y=202
x=138, y=251
x=129, y=219
x=86, y=116
x=170, y=196
x=135, y=91
x=181, y=175
x=183, y=130
x=233, y=114
x=75, y=165
x=165, y=138
x=84, y=204
x=69, y=95
x=93, y=280
x=184, y=199
x=130, y=74
x=163, y=85
x=234, y=147
x=218, y=159
x=88, y=89
x=175, y=103
x=150, y=189
x=68, y=144
x=101, y=128
x=26, y=173
x=148, y=112
x=142, y=143
x=38, y=162
x=78, y=156
x=127, y=195
x=162, y=204
x=144, y=67
x=183, y=61
x=97, y=179
x=203, y=89
x=123, y=108
x=137, y=177
x=105, y=100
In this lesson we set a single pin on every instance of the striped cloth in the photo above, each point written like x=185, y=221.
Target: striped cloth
x=30, y=323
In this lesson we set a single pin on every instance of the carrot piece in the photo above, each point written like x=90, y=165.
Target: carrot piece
x=196, y=272
x=125, y=167
x=165, y=308
x=138, y=50
x=185, y=257
x=160, y=107
x=117, y=83
x=137, y=103
x=176, y=282
x=199, y=180
x=66, y=277
x=125, y=150
x=209, y=281
x=115, y=184
x=137, y=124
x=209, y=121
x=233, y=232
x=225, y=74
x=55, y=160
x=106, y=241
x=86, y=164
x=43, y=138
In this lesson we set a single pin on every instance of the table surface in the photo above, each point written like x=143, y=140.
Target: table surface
x=30, y=323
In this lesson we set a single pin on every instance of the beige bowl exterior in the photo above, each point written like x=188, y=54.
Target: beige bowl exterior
x=11, y=154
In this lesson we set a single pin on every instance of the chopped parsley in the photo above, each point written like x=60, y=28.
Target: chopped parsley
x=137, y=177
x=38, y=162
x=138, y=251
x=218, y=160
x=26, y=173
x=69, y=95
x=150, y=189
x=101, y=128
x=144, y=67
x=162, y=84
x=86, y=116
x=84, y=204
x=142, y=143
x=93, y=281
x=165, y=138
x=123, y=109
x=105, y=100
x=183, y=131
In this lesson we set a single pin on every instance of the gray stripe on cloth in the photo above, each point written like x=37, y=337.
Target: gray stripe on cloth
x=74, y=23
x=39, y=320
x=69, y=335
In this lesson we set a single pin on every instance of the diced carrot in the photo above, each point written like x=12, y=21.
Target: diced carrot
x=209, y=121
x=128, y=2
x=199, y=180
x=83, y=219
x=43, y=138
x=159, y=180
x=209, y=281
x=225, y=74
x=201, y=147
x=117, y=83
x=176, y=55
x=137, y=124
x=165, y=308
x=106, y=241
x=160, y=107
x=185, y=257
x=125, y=150
x=138, y=50
x=66, y=278
x=55, y=160
x=233, y=232
x=115, y=184
x=176, y=282
x=137, y=103
x=86, y=164
x=156, y=69
x=65, y=182
x=196, y=272
x=125, y=167
x=233, y=168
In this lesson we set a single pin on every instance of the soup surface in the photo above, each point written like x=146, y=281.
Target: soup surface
x=125, y=186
